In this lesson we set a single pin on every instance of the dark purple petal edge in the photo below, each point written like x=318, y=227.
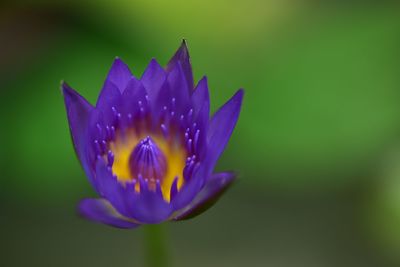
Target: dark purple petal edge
x=100, y=210
x=208, y=196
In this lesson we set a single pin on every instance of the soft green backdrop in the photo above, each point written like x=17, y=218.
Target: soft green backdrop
x=316, y=147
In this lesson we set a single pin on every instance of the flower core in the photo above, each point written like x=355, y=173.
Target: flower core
x=153, y=158
x=147, y=160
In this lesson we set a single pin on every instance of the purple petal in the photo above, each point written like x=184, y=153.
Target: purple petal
x=134, y=94
x=201, y=97
x=190, y=190
x=182, y=56
x=202, y=125
x=78, y=110
x=208, y=196
x=109, y=97
x=119, y=74
x=100, y=210
x=201, y=107
x=179, y=88
x=144, y=207
x=95, y=117
x=111, y=189
x=221, y=127
x=173, y=99
x=153, y=78
x=150, y=207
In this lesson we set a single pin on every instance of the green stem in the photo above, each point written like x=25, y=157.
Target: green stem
x=156, y=253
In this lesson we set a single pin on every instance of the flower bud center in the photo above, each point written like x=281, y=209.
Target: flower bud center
x=147, y=160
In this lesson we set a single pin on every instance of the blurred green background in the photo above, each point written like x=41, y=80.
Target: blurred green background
x=317, y=147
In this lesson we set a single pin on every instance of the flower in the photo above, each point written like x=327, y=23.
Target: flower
x=148, y=146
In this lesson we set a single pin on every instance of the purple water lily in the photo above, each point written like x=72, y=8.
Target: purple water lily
x=148, y=147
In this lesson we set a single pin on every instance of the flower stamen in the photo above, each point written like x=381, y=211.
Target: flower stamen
x=148, y=160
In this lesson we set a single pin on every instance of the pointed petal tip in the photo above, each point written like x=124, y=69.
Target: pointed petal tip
x=181, y=54
x=227, y=177
x=67, y=91
x=204, y=79
x=64, y=85
x=235, y=101
x=74, y=100
x=119, y=63
x=184, y=48
x=119, y=73
x=239, y=93
x=184, y=44
x=154, y=62
x=182, y=57
x=153, y=68
x=203, y=82
x=153, y=65
x=237, y=98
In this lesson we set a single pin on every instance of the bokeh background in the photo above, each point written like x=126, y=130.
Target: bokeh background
x=317, y=147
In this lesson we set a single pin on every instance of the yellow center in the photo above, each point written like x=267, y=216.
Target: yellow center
x=175, y=155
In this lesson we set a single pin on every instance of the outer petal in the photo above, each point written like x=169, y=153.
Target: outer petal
x=109, y=97
x=201, y=97
x=149, y=207
x=179, y=88
x=182, y=56
x=119, y=74
x=153, y=78
x=112, y=190
x=208, y=196
x=100, y=210
x=144, y=207
x=78, y=110
x=190, y=190
x=221, y=127
x=134, y=99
